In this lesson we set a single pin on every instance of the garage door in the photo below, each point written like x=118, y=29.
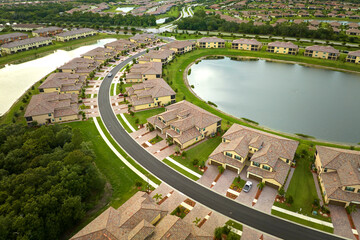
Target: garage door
x=215, y=163
x=234, y=169
x=337, y=203
x=271, y=185
x=255, y=177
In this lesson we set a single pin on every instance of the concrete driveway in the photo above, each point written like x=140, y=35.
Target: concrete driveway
x=247, y=198
x=209, y=176
x=356, y=219
x=224, y=182
x=266, y=199
x=341, y=222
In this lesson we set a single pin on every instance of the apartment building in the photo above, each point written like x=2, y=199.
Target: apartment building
x=323, y=52
x=145, y=71
x=210, y=42
x=63, y=82
x=75, y=34
x=47, y=32
x=25, y=44
x=283, y=48
x=246, y=44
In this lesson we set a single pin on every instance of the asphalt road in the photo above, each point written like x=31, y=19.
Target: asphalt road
x=247, y=215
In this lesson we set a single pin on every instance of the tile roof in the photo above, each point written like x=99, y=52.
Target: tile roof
x=121, y=44
x=25, y=42
x=210, y=39
x=12, y=35
x=81, y=65
x=283, y=44
x=100, y=53
x=64, y=81
x=355, y=53
x=143, y=37
x=47, y=29
x=158, y=54
x=21, y=25
x=247, y=41
x=57, y=104
x=328, y=49
x=145, y=68
x=73, y=32
x=179, y=44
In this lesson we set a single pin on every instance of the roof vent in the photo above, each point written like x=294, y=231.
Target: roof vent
x=261, y=146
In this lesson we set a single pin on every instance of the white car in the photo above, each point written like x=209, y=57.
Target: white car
x=110, y=74
x=247, y=186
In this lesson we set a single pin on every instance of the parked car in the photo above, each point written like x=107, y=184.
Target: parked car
x=120, y=94
x=247, y=186
x=110, y=74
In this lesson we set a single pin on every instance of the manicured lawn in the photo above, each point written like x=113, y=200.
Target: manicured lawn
x=303, y=222
x=122, y=88
x=129, y=159
x=121, y=178
x=142, y=116
x=173, y=12
x=112, y=89
x=156, y=139
x=124, y=124
x=302, y=186
x=234, y=224
x=200, y=152
x=42, y=51
x=180, y=170
x=174, y=72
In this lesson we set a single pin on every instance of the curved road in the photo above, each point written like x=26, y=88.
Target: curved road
x=249, y=216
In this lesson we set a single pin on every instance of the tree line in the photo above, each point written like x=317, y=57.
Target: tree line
x=47, y=181
x=55, y=13
x=203, y=22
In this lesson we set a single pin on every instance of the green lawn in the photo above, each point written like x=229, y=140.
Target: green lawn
x=122, y=88
x=235, y=225
x=124, y=124
x=173, y=12
x=180, y=170
x=156, y=139
x=200, y=152
x=302, y=186
x=303, y=222
x=174, y=72
x=112, y=89
x=129, y=159
x=40, y=52
x=142, y=116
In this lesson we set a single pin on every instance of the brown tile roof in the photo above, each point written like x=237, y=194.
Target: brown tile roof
x=328, y=49
x=355, y=53
x=64, y=81
x=146, y=68
x=100, y=53
x=12, y=35
x=179, y=44
x=121, y=43
x=283, y=44
x=81, y=65
x=142, y=37
x=247, y=41
x=47, y=29
x=346, y=164
x=73, y=32
x=25, y=42
x=158, y=54
x=210, y=39
x=58, y=104
x=21, y=25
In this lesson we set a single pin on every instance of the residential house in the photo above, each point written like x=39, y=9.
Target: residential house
x=139, y=218
x=353, y=32
x=180, y=47
x=150, y=94
x=163, y=56
x=145, y=71
x=210, y=42
x=81, y=66
x=144, y=39
x=47, y=32
x=323, y=52
x=246, y=44
x=25, y=27
x=52, y=107
x=185, y=123
x=121, y=46
x=62, y=82
x=100, y=54
x=353, y=57
x=10, y=37
x=75, y=34
x=283, y=48
x=25, y=44
x=353, y=25
x=268, y=156
x=339, y=175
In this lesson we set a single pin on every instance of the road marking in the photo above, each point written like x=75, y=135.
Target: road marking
x=233, y=192
x=183, y=167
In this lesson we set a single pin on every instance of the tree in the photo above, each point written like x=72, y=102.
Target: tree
x=351, y=209
x=218, y=233
x=261, y=185
x=138, y=184
x=221, y=169
x=232, y=236
x=281, y=191
x=157, y=197
x=196, y=221
x=289, y=199
x=169, y=141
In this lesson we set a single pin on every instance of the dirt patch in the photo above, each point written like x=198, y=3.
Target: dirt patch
x=144, y=145
x=230, y=195
x=190, y=202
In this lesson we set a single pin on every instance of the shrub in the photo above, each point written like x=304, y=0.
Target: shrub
x=289, y=199
x=232, y=236
x=316, y=202
x=221, y=169
x=211, y=103
x=16, y=114
x=202, y=164
x=137, y=121
x=138, y=184
x=281, y=191
x=21, y=108
x=131, y=113
x=226, y=230
x=218, y=233
x=183, y=154
x=192, y=86
x=195, y=161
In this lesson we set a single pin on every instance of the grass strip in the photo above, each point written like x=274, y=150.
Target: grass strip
x=235, y=225
x=124, y=124
x=302, y=221
x=122, y=152
x=179, y=169
x=112, y=89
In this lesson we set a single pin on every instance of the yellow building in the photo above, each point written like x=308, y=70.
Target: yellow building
x=144, y=39
x=100, y=54
x=145, y=71
x=185, y=123
x=52, y=107
x=246, y=44
x=323, y=52
x=339, y=175
x=121, y=46
x=26, y=44
x=47, y=32
x=81, y=66
x=63, y=83
x=180, y=47
x=268, y=156
x=75, y=34
x=25, y=27
x=210, y=42
x=283, y=48
x=150, y=94
x=10, y=37
x=353, y=57
x=163, y=56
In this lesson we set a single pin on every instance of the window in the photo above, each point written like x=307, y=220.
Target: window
x=224, y=140
x=149, y=105
x=237, y=157
x=325, y=169
x=256, y=164
x=228, y=154
x=196, y=139
x=350, y=189
x=177, y=130
x=287, y=161
x=49, y=114
x=266, y=167
x=60, y=119
x=159, y=118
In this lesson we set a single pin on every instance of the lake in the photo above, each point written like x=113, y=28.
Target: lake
x=286, y=97
x=160, y=20
x=15, y=79
x=125, y=9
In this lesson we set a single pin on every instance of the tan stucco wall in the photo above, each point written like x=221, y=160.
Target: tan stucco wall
x=209, y=45
x=241, y=46
x=281, y=50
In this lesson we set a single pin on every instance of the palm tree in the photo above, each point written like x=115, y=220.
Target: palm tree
x=351, y=209
x=221, y=169
x=196, y=221
x=261, y=185
x=157, y=197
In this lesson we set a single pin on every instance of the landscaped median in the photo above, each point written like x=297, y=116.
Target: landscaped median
x=182, y=169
